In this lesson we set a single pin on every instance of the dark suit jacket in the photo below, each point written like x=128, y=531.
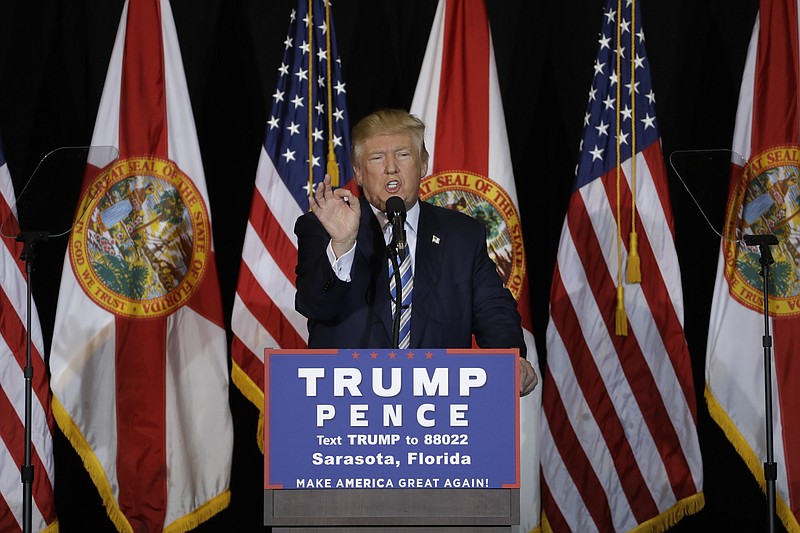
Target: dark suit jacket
x=457, y=291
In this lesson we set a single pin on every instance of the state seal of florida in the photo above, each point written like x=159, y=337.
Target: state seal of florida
x=766, y=199
x=141, y=241
x=486, y=201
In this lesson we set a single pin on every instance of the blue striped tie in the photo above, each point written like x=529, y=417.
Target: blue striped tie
x=406, y=289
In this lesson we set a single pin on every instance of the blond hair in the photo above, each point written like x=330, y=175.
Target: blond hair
x=388, y=122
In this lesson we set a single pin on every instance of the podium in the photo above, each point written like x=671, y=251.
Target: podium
x=422, y=440
x=395, y=510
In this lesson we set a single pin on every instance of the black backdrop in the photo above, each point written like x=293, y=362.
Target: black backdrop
x=53, y=59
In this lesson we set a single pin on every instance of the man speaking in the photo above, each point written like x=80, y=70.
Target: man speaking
x=387, y=270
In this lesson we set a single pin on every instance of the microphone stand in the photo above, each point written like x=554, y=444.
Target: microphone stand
x=398, y=294
x=29, y=238
x=770, y=467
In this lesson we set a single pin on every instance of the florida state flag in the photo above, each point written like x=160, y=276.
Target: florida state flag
x=458, y=99
x=763, y=198
x=139, y=371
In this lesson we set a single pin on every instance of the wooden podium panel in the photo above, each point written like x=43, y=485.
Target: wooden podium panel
x=395, y=510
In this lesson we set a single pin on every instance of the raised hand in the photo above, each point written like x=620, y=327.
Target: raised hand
x=339, y=214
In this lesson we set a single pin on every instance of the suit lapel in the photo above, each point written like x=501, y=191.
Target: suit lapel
x=428, y=264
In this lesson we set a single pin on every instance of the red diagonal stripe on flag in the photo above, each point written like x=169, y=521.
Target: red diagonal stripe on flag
x=141, y=344
x=280, y=247
x=463, y=114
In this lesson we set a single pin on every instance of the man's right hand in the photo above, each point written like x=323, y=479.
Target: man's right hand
x=338, y=212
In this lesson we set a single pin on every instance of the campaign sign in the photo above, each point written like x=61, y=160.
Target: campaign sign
x=382, y=419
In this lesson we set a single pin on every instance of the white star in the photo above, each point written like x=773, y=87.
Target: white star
x=602, y=129
x=337, y=141
x=317, y=134
x=314, y=161
x=638, y=61
x=592, y=94
x=613, y=78
x=626, y=112
x=625, y=25
x=586, y=118
x=293, y=16
x=623, y=138
x=322, y=55
x=635, y=87
x=288, y=42
x=289, y=155
x=339, y=87
x=323, y=27
x=301, y=74
x=321, y=81
x=597, y=153
x=640, y=35
x=651, y=96
x=283, y=69
x=273, y=123
x=278, y=96
x=305, y=47
x=320, y=107
x=293, y=128
x=307, y=20
x=297, y=101
x=621, y=51
x=605, y=42
x=648, y=121
x=598, y=67
x=609, y=102
x=580, y=146
x=610, y=16
x=308, y=188
x=338, y=114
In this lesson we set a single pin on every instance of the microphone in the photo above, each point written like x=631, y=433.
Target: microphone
x=396, y=213
x=760, y=240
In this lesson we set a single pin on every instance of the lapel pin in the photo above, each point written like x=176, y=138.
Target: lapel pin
x=435, y=239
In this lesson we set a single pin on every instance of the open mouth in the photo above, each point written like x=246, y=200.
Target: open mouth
x=392, y=186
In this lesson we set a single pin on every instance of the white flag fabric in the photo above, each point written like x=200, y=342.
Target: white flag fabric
x=13, y=360
x=619, y=438
x=139, y=359
x=764, y=198
x=458, y=99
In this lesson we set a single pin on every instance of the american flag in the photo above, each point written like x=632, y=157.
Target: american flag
x=307, y=135
x=619, y=442
x=13, y=360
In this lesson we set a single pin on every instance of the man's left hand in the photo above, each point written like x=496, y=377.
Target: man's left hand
x=527, y=377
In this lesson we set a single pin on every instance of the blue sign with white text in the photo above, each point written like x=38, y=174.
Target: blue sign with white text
x=425, y=418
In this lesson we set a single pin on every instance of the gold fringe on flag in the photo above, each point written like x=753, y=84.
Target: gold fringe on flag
x=634, y=270
x=621, y=322
x=310, y=100
x=332, y=166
